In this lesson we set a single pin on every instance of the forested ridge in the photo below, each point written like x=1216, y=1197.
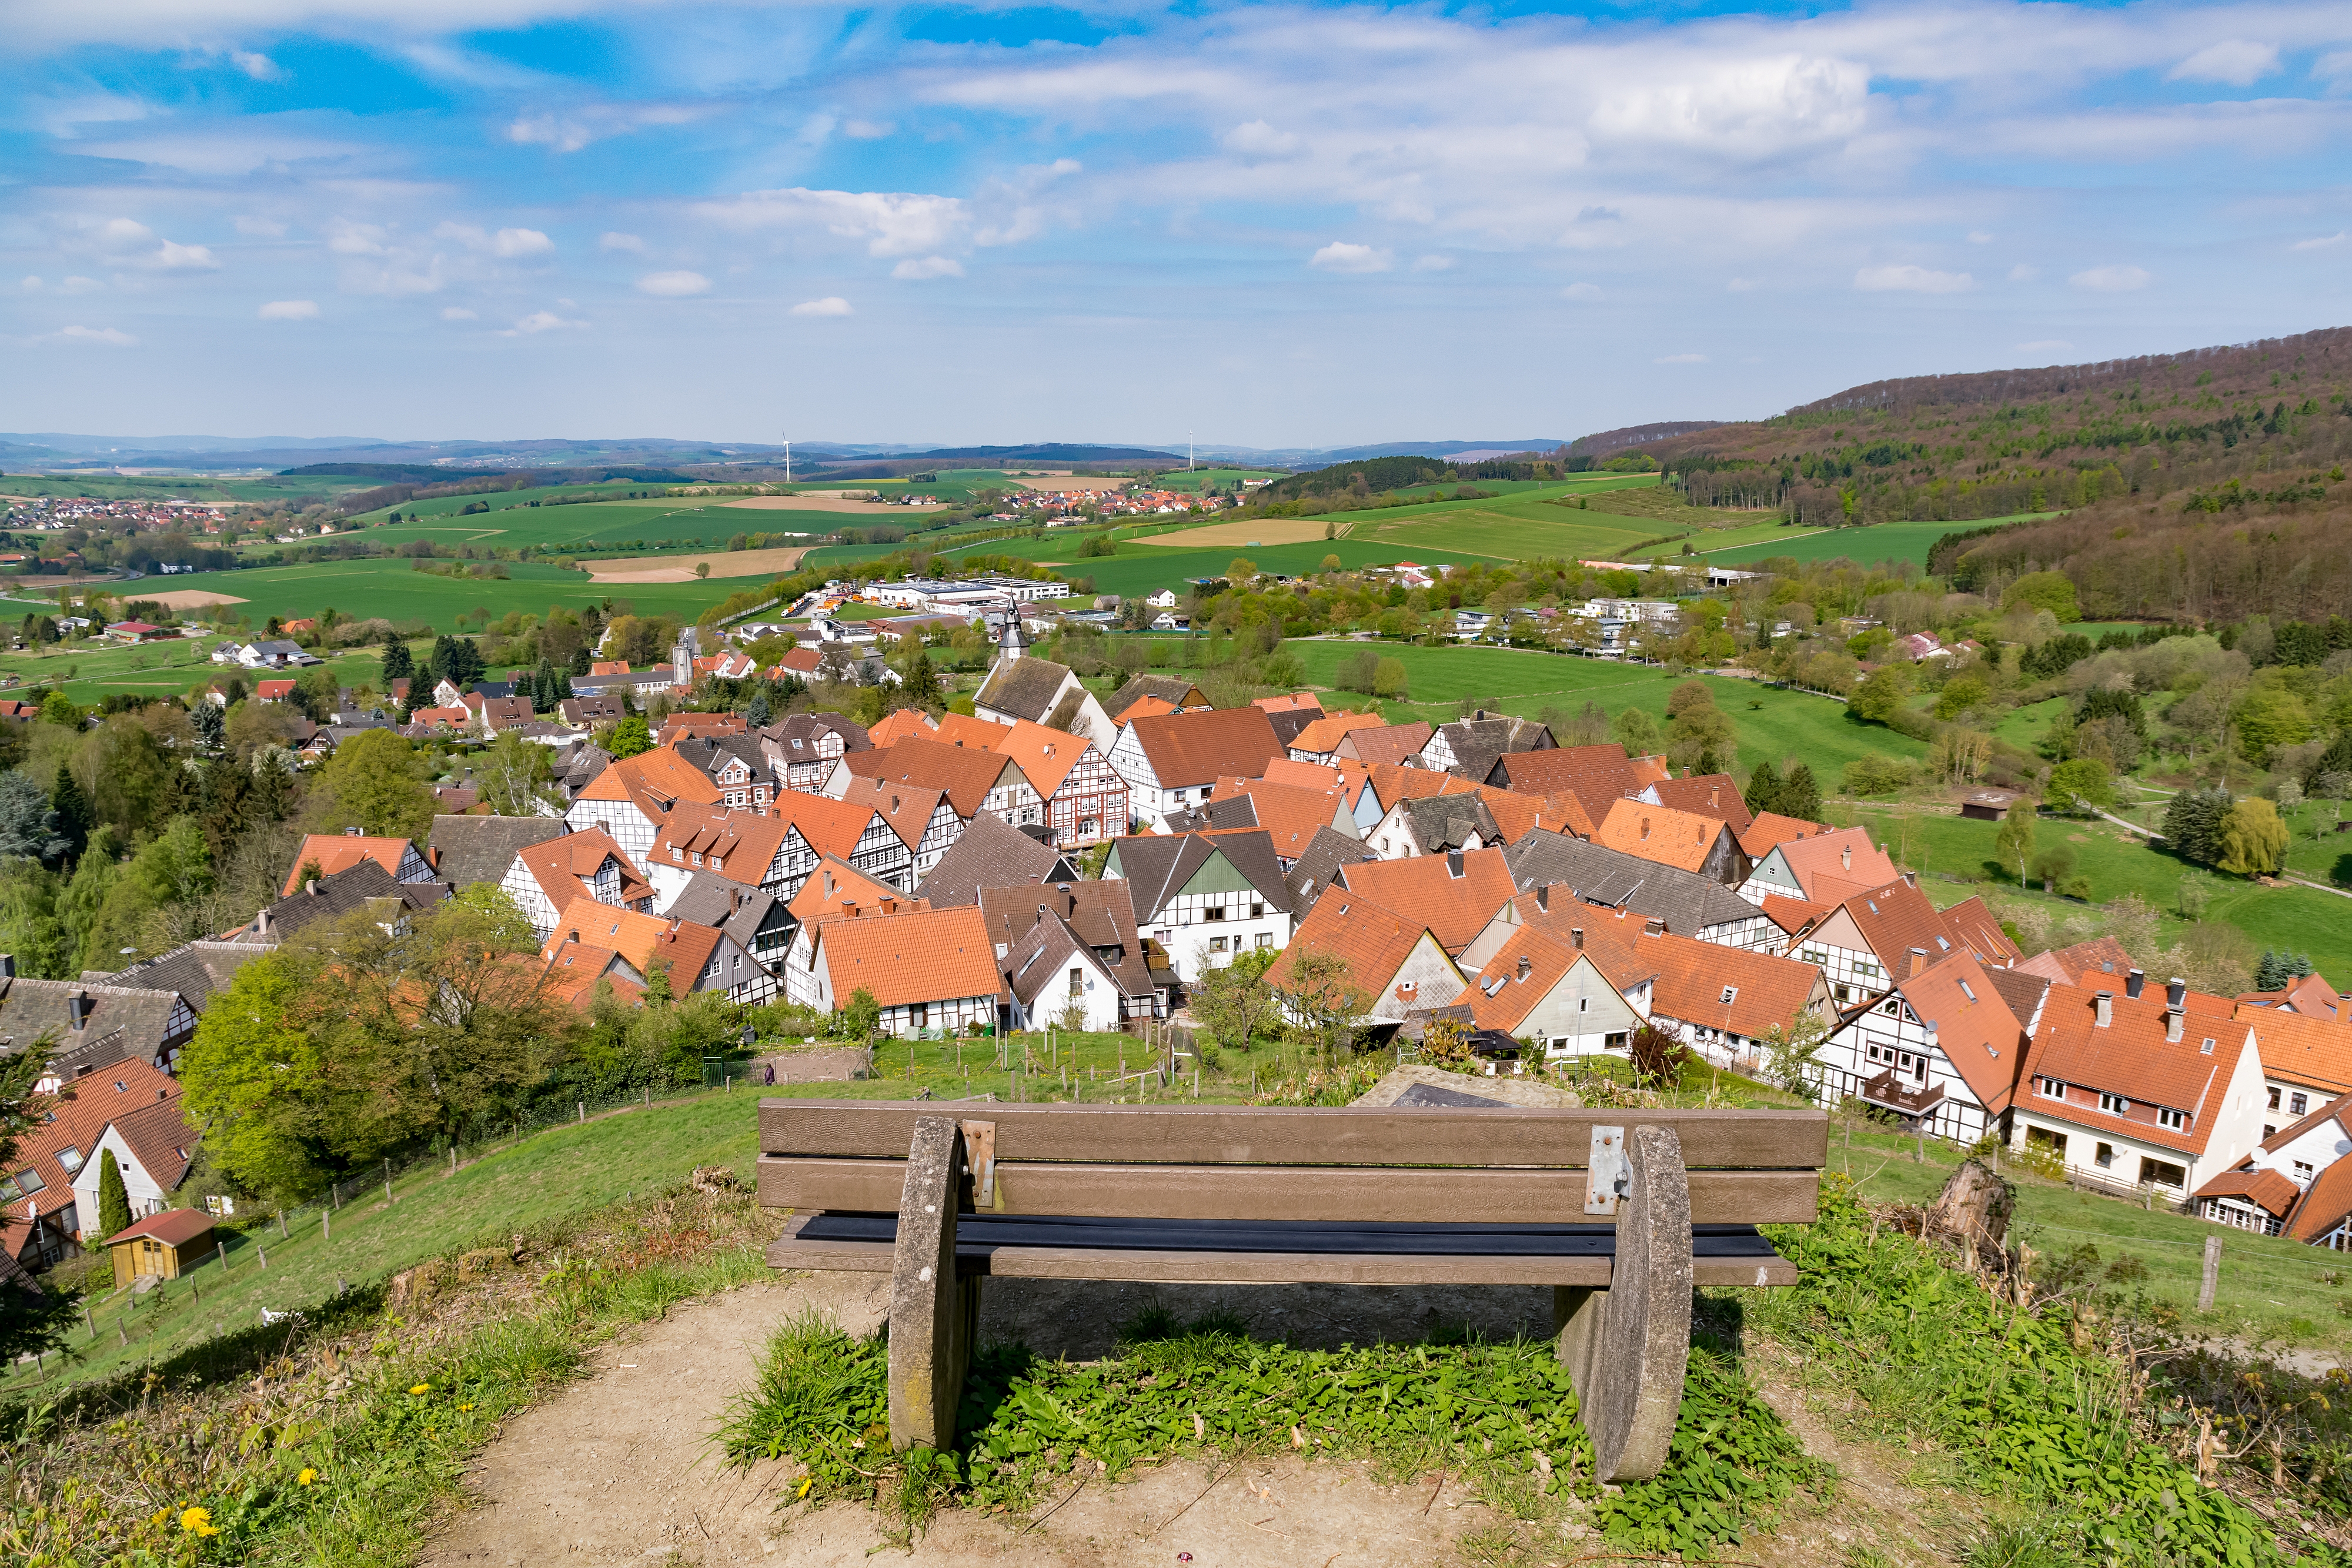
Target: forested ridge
x=2256, y=425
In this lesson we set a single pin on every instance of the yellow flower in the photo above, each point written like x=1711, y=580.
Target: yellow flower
x=306, y=1478
x=806, y=1481
x=422, y=1388
x=197, y=1521
x=464, y=1407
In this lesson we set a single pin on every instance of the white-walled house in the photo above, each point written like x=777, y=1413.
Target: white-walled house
x=1943, y=1046
x=1206, y=896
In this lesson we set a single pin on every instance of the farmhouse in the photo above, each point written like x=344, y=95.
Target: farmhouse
x=931, y=971
x=1202, y=897
x=1393, y=961
x=545, y=878
x=632, y=797
x=1944, y=1046
x=1175, y=759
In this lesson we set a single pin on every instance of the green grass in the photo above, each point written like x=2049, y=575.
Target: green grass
x=1518, y=527
x=188, y=488
x=1786, y=723
x=2296, y=919
x=155, y=669
x=602, y=527
x=392, y=589
x=1869, y=545
x=1202, y=477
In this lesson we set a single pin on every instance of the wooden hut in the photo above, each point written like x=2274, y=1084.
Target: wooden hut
x=162, y=1244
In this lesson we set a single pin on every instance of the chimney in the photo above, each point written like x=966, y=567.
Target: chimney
x=261, y=924
x=1653, y=927
x=1576, y=937
x=1918, y=959
x=311, y=887
x=1524, y=967
x=2172, y=1026
x=1543, y=901
x=2175, y=993
x=78, y=1010
x=1845, y=856
x=1454, y=863
x=2133, y=983
x=888, y=906
x=1646, y=828
x=8, y=965
x=2106, y=1005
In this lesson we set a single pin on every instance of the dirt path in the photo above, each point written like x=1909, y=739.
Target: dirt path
x=619, y=1468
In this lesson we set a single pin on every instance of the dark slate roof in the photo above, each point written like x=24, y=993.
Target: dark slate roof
x=1686, y=901
x=740, y=910
x=488, y=689
x=808, y=727
x=1157, y=866
x=1326, y=851
x=1025, y=688
x=2021, y=989
x=1233, y=812
x=193, y=971
x=1167, y=688
x=1440, y=822
x=1477, y=742
x=1097, y=915
x=586, y=762
x=1287, y=722
x=465, y=850
x=124, y=1023
x=990, y=853
x=351, y=888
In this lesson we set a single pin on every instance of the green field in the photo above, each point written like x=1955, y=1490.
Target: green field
x=153, y=669
x=1783, y=724
x=1202, y=478
x=606, y=526
x=261, y=488
x=394, y=589
x=1868, y=545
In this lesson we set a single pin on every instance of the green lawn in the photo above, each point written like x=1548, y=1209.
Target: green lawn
x=2297, y=919
x=154, y=669
x=1524, y=526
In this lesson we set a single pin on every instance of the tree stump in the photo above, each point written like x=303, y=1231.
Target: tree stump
x=1975, y=1207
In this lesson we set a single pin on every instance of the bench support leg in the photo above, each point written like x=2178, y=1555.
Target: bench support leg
x=933, y=1315
x=1627, y=1347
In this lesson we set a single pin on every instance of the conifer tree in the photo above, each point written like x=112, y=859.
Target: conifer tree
x=114, y=1201
x=75, y=818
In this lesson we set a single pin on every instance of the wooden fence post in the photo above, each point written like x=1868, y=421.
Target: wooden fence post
x=2213, y=1276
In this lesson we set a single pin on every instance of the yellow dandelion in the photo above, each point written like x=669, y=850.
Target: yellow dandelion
x=161, y=1515
x=422, y=1388
x=306, y=1478
x=806, y=1481
x=197, y=1521
x=464, y=1407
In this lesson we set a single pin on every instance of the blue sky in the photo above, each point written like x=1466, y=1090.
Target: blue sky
x=1269, y=224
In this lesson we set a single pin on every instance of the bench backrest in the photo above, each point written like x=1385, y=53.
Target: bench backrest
x=1475, y=1166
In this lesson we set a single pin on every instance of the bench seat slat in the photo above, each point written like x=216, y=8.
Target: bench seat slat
x=1298, y=1136
x=1283, y=1192
x=1254, y=1254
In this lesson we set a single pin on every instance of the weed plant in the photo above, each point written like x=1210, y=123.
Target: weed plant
x=1502, y=1415
x=2018, y=1403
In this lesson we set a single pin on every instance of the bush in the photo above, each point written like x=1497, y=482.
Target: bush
x=1877, y=775
x=1389, y=680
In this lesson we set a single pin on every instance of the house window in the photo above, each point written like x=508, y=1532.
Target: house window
x=1815, y=956
x=2274, y=1099
x=1892, y=1008
x=1257, y=911
x=2050, y=1088
x=2173, y=1120
x=2296, y=1104
x=1584, y=1004
x=2103, y=1156
x=1214, y=912
x=1860, y=967
x=69, y=1157
x=27, y=1183
x=2161, y=1172
x=1216, y=944
x=2303, y=1173
x=1966, y=992
x=2113, y=1104
x=1266, y=938
x=1077, y=982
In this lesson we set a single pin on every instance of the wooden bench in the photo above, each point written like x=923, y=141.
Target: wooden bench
x=1621, y=1212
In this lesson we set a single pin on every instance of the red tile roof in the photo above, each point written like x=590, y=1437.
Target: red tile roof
x=738, y=845
x=2298, y=1049
x=1713, y=795
x=1389, y=744
x=559, y=865
x=965, y=774
x=1501, y=997
x=1765, y=990
x=1768, y=829
x=341, y=851
x=2131, y=1058
x=1326, y=733
x=926, y=956
x=1598, y=775
x=1660, y=834
x=1834, y=866
x=1457, y=904
x=835, y=886
x=2083, y=963
x=1375, y=941
x=1192, y=749
x=173, y=1227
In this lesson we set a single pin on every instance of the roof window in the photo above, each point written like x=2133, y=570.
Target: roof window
x=1968, y=991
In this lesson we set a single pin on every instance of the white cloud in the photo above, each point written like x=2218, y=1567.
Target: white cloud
x=2325, y=242
x=539, y=321
x=673, y=284
x=867, y=130
x=2333, y=68
x=1433, y=264
x=103, y=337
x=930, y=266
x=183, y=257
x=2045, y=345
x=231, y=148
x=260, y=67
x=1745, y=108
x=1581, y=291
x=458, y=313
x=30, y=285
x=616, y=240
x=890, y=223
x=1256, y=139
x=1680, y=360
x=506, y=244
x=1979, y=236
x=2119, y=278
x=77, y=283
x=2235, y=62
x=1743, y=286
x=290, y=310
x=2023, y=273
x=1907, y=279
x=1341, y=255
x=831, y=305
x=570, y=129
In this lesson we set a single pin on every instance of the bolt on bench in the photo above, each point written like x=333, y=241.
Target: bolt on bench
x=1622, y=1212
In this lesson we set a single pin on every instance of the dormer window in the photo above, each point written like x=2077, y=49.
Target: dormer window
x=1729, y=992
x=2172, y=1120
x=1968, y=991
x=71, y=1158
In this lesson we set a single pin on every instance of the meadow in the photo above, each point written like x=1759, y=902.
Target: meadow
x=1869, y=544
x=394, y=589
x=256, y=487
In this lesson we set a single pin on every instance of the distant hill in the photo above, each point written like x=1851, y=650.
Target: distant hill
x=1604, y=442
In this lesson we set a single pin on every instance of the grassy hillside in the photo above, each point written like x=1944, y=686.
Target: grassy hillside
x=393, y=588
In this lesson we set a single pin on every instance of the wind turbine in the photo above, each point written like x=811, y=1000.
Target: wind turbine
x=788, y=455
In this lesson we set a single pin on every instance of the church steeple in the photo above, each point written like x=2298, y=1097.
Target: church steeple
x=1012, y=641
